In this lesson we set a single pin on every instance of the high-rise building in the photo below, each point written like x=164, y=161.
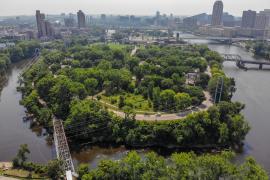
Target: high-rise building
x=157, y=18
x=49, y=29
x=103, y=17
x=40, y=18
x=228, y=20
x=69, y=22
x=262, y=21
x=81, y=19
x=217, y=13
x=266, y=12
x=248, y=19
x=44, y=27
x=190, y=22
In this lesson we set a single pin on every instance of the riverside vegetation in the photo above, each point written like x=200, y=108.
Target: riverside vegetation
x=151, y=166
x=22, y=50
x=260, y=48
x=72, y=80
x=64, y=78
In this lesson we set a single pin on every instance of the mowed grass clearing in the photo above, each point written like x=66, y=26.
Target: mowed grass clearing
x=137, y=102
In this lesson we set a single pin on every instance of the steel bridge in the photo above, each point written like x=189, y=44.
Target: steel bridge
x=61, y=145
x=59, y=136
x=240, y=62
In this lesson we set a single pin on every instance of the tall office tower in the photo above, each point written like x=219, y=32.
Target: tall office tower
x=81, y=19
x=40, y=24
x=157, y=14
x=228, y=20
x=103, y=17
x=49, y=29
x=217, y=13
x=248, y=19
x=266, y=12
x=45, y=28
x=262, y=21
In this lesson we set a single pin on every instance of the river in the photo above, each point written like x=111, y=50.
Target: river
x=13, y=131
x=252, y=89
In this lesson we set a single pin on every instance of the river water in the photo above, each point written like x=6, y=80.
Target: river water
x=13, y=131
x=253, y=89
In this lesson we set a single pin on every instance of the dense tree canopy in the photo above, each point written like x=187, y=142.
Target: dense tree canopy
x=261, y=48
x=22, y=50
x=155, y=75
x=179, y=166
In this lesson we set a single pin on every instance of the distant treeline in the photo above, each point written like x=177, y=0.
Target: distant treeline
x=22, y=50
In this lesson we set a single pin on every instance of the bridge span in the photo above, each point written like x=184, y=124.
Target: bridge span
x=59, y=136
x=241, y=63
x=215, y=38
x=61, y=146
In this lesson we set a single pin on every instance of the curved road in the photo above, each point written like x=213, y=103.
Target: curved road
x=163, y=117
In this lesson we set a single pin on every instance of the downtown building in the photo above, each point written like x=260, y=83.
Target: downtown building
x=256, y=25
x=44, y=27
x=248, y=19
x=263, y=20
x=217, y=13
x=81, y=19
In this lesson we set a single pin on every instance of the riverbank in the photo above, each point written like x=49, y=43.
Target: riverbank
x=253, y=92
x=252, y=89
x=13, y=130
x=257, y=48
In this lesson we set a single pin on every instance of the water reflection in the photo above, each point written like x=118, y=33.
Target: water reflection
x=13, y=131
x=252, y=90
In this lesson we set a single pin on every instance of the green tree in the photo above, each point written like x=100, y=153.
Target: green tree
x=179, y=166
x=16, y=54
x=129, y=112
x=251, y=170
x=21, y=156
x=91, y=85
x=156, y=98
x=55, y=169
x=82, y=169
x=182, y=101
x=167, y=100
x=121, y=102
x=4, y=62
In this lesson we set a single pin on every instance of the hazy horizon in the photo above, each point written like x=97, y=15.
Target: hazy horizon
x=136, y=7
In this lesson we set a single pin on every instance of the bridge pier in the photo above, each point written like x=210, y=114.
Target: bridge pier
x=241, y=63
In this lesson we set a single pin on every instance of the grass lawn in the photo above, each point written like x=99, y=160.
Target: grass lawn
x=116, y=46
x=20, y=173
x=137, y=102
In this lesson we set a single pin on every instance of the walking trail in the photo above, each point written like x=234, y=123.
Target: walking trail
x=156, y=116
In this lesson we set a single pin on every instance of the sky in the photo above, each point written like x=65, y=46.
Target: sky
x=135, y=7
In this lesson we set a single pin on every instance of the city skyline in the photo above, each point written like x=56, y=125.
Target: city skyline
x=138, y=7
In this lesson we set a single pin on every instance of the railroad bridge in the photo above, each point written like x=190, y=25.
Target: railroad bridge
x=241, y=63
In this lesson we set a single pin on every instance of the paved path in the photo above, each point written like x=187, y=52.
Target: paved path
x=208, y=71
x=174, y=116
x=6, y=178
x=133, y=52
x=162, y=117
